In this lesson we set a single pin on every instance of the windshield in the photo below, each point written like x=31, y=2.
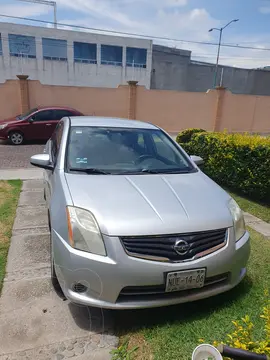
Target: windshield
x=124, y=151
x=26, y=114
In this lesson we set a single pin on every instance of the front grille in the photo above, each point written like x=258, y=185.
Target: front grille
x=141, y=293
x=162, y=247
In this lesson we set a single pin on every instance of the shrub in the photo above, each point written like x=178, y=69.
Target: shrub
x=185, y=136
x=243, y=337
x=238, y=161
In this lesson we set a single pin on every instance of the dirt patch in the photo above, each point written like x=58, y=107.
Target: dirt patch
x=143, y=352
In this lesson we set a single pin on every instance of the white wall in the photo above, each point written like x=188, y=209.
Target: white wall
x=69, y=73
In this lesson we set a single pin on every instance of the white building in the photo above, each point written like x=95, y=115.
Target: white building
x=64, y=57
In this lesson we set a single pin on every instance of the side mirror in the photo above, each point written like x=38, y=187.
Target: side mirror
x=30, y=120
x=197, y=159
x=41, y=161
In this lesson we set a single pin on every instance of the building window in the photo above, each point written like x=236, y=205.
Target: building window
x=136, y=57
x=85, y=53
x=111, y=55
x=1, y=51
x=54, y=49
x=22, y=46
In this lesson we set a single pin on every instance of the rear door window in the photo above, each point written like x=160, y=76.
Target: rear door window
x=43, y=115
x=59, y=114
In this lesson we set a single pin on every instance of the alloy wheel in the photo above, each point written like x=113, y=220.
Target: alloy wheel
x=16, y=138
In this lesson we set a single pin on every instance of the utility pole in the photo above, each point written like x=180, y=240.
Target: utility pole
x=45, y=2
x=219, y=44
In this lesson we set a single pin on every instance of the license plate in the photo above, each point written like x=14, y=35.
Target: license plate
x=183, y=280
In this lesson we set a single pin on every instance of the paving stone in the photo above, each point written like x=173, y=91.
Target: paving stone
x=262, y=227
x=102, y=354
x=30, y=217
x=28, y=249
x=250, y=218
x=257, y=224
x=32, y=198
x=33, y=185
x=22, y=174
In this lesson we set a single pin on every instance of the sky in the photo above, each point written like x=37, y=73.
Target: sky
x=186, y=20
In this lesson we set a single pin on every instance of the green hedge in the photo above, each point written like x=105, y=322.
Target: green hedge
x=185, y=136
x=240, y=162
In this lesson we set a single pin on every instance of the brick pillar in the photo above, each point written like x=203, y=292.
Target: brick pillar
x=24, y=92
x=132, y=99
x=220, y=90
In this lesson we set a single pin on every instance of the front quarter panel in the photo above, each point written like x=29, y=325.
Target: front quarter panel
x=60, y=198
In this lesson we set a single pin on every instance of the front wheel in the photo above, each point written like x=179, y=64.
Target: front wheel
x=54, y=280
x=16, y=138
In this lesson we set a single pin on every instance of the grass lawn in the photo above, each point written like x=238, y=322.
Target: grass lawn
x=172, y=333
x=259, y=210
x=9, y=195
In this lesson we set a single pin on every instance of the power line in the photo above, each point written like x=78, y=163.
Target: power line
x=138, y=35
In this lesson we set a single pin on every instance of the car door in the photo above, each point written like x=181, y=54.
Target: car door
x=41, y=127
x=52, y=148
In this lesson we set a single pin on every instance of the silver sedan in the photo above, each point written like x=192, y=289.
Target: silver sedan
x=134, y=221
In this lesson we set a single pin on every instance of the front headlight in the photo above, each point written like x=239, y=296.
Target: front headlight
x=238, y=219
x=83, y=230
x=3, y=126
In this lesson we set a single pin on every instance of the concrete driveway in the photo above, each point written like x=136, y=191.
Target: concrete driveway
x=35, y=322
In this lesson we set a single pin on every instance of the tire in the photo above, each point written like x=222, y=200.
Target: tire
x=54, y=280
x=16, y=138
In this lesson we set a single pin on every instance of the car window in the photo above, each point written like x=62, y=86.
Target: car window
x=124, y=150
x=56, y=141
x=59, y=114
x=43, y=115
x=162, y=148
x=27, y=113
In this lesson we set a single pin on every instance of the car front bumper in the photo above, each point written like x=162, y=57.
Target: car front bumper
x=106, y=278
x=3, y=136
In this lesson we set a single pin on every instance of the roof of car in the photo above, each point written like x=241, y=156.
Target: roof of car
x=56, y=108
x=110, y=122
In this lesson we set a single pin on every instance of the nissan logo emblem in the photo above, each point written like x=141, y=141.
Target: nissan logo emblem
x=181, y=247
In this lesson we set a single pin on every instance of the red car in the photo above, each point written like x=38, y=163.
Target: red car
x=36, y=124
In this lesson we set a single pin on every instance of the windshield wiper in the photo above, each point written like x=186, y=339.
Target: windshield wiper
x=162, y=171
x=176, y=171
x=90, y=171
x=149, y=171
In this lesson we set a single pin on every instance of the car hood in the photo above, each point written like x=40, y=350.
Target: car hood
x=151, y=204
x=9, y=120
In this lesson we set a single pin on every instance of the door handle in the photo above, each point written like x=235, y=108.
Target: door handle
x=48, y=124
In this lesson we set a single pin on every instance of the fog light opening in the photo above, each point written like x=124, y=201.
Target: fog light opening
x=79, y=288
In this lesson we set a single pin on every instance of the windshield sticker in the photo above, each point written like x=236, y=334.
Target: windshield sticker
x=78, y=131
x=81, y=160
